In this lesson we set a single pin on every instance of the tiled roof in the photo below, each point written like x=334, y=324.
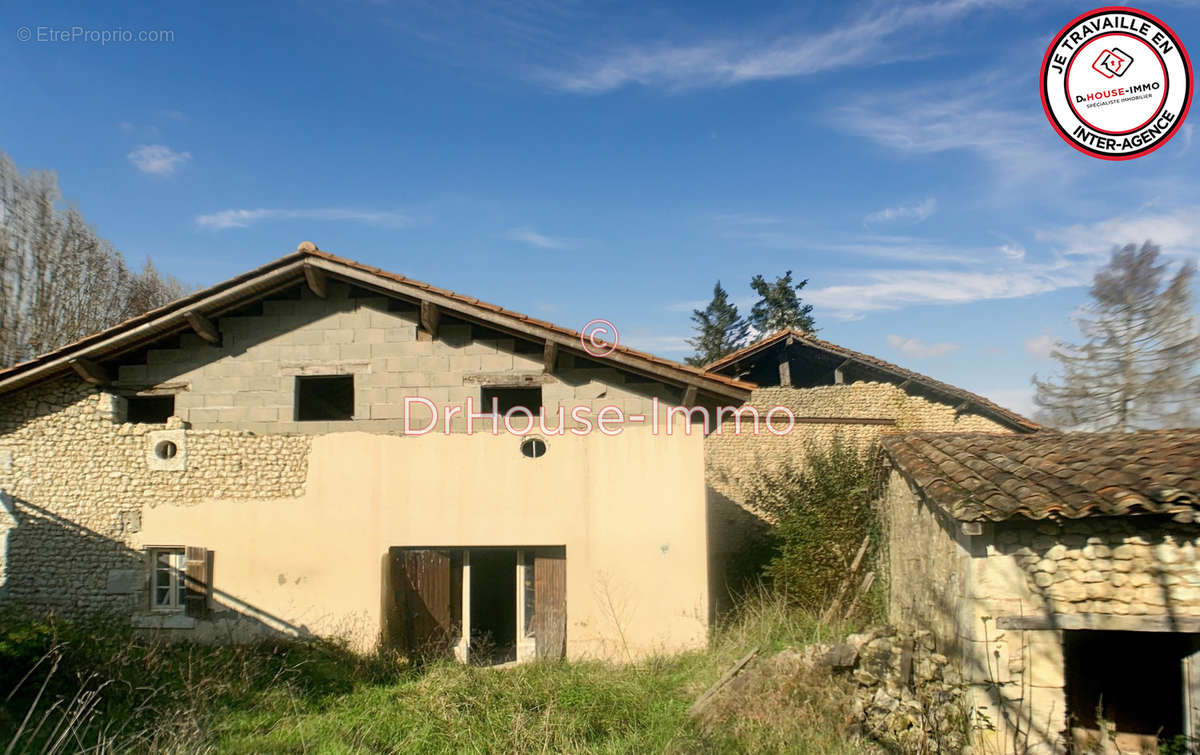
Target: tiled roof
x=729, y=363
x=976, y=476
x=263, y=280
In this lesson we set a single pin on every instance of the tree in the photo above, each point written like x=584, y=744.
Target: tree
x=58, y=280
x=1138, y=365
x=779, y=308
x=719, y=329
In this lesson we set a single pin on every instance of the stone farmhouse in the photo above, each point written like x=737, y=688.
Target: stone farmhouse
x=303, y=450
x=1062, y=569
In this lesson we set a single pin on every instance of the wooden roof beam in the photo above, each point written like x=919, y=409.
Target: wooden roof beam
x=431, y=318
x=204, y=327
x=317, y=281
x=549, y=357
x=90, y=371
x=839, y=372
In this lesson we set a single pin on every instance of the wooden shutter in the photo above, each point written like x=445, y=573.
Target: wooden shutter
x=198, y=580
x=427, y=602
x=550, y=603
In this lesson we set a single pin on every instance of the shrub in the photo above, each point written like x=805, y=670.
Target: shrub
x=821, y=509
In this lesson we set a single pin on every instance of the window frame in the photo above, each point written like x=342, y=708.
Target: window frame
x=176, y=571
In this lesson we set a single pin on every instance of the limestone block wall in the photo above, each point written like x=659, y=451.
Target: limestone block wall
x=925, y=566
x=731, y=456
x=77, y=484
x=248, y=382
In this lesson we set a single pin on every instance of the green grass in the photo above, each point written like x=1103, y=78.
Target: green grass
x=319, y=697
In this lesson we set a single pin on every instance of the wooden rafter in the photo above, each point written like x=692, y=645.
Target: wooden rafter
x=204, y=327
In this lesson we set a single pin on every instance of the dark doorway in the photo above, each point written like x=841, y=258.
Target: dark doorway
x=1132, y=681
x=493, y=605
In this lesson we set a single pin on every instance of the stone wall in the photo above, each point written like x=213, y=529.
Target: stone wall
x=924, y=565
x=77, y=483
x=736, y=526
x=729, y=456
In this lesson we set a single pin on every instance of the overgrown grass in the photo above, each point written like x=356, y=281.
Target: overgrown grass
x=319, y=697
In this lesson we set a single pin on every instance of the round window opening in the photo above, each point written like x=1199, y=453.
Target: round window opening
x=165, y=449
x=533, y=448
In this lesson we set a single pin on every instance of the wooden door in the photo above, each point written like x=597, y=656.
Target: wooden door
x=550, y=603
x=428, y=611
x=1191, y=698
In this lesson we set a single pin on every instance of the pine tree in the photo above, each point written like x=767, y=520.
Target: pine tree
x=779, y=308
x=719, y=329
x=1138, y=366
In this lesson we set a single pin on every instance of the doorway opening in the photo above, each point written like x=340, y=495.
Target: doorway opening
x=493, y=597
x=487, y=605
x=1127, y=689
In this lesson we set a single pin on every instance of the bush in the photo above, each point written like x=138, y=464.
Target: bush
x=821, y=509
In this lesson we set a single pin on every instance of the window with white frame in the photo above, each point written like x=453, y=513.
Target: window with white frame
x=167, y=580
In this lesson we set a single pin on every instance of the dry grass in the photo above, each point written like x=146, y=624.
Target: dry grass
x=111, y=693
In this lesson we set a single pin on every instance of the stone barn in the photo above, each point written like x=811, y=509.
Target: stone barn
x=1062, y=569
x=309, y=449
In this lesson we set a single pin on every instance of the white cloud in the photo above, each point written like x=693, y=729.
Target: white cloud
x=242, y=218
x=1013, y=251
x=913, y=347
x=914, y=212
x=157, y=159
x=893, y=289
x=540, y=240
x=974, y=114
x=1177, y=231
x=1040, y=346
x=873, y=37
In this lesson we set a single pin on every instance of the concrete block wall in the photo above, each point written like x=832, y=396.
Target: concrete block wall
x=248, y=382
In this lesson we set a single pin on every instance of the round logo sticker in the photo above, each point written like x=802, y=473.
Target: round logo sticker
x=1116, y=83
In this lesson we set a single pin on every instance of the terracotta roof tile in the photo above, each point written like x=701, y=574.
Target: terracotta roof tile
x=981, y=476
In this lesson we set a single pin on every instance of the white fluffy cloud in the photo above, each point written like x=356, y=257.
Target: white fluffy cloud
x=914, y=347
x=157, y=159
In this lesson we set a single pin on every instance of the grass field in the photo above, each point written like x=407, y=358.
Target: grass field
x=73, y=687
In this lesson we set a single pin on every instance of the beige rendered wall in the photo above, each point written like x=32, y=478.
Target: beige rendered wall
x=628, y=509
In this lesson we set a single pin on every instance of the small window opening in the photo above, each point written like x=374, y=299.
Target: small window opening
x=533, y=448
x=511, y=398
x=150, y=410
x=324, y=397
x=168, y=580
x=165, y=449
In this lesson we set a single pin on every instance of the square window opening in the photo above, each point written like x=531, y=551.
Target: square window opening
x=324, y=398
x=510, y=398
x=149, y=410
x=167, y=579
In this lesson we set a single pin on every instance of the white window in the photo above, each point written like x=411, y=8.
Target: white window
x=167, y=581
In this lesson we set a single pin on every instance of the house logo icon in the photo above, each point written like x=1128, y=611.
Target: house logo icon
x=1114, y=62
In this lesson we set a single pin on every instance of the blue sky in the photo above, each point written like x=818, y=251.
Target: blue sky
x=579, y=161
